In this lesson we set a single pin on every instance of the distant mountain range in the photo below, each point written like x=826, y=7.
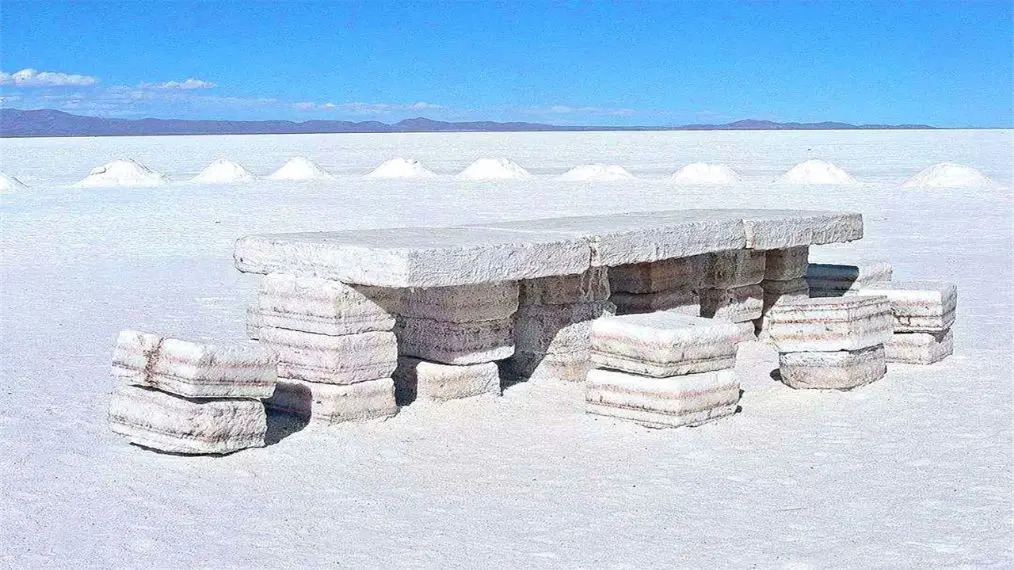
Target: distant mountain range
x=52, y=123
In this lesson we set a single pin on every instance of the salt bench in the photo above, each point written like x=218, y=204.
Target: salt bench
x=565, y=260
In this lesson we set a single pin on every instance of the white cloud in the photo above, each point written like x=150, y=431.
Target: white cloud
x=185, y=85
x=361, y=108
x=571, y=110
x=29, y=77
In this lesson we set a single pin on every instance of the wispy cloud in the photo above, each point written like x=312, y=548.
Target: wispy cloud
x=185, y=85
x=29, y=77
x=573, y=110
x=362, y=108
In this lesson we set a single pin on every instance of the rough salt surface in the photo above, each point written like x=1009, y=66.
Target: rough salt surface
x=192, y=369
x=685, y=400
x=658, y=276
x=327, y=359
x=949, y=175
x=462, y=303
x=223, y=171
x=730, y=269
x=736, y=305
x=663, y=344
x=588, y=287
x=918, y=306
x=557, y=328
x=703, y=173
x=557, y=366
x=300, y=168
x=785, y=264
x=417, y=379
x=833, y=370
x=685, y=301
x=173, y=424
x=830, y=324
x=334, y=404
x=596, y=173
x=494, y=169
x=455, y=343
x=9, y=183
x=817, y=171
x=323, y=306
x=401, y=168
x=122, y=173
x=919, y=347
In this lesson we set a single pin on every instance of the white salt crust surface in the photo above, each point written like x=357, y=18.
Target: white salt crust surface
x=418, y=490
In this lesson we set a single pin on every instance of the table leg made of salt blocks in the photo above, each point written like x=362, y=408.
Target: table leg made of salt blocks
x=561, y=270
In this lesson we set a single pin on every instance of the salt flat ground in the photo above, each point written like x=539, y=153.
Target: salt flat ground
x=912, y=471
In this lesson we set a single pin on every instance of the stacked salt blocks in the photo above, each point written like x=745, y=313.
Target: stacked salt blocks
x=662, y=369
x=450, y=339
x=834, y=343
x=828, y=280
x=730, y=288
x=784, y=282
x=335, y=347
x=186, y=397
x=552, y=327
x=923, y=315
x=666, y=285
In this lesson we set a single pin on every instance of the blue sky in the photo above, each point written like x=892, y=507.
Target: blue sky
x=624, y=63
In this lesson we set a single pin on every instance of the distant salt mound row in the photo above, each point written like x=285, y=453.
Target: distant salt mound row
x=299, y=168
x=817, y=172
x=223, y=171
x=702, y=173
x=494, y=169
x=401, y=168
x=949, y=175
x=597, y=173
x=122, y=173
x=9, y=183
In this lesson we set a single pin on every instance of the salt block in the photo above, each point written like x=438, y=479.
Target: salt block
x=658, y=276
x=455, y=343
x=415, y=257
x=783, y=292
x=731, y=269
x=568, y=367
x=589, y=287
x=334, y=404
x=253, y=322
x=557, y=328
x=638, y=237
x=684, y=301
x=918, y=306
x=829, y=280
x=463, y=303
x=686, y=400
x=421, y=380
x=833, y=370
x=737, y=305
x=830, y=324
x=327, y=359
x=663, y=344
x=781, y=229
x=165, y=422
x=919, y=347
x=785, y=264
x=191, y=369
x=324, y=306
x=747, y=331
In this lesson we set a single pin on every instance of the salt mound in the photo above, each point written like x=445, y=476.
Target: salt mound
x=949, y=175
x=817, y=172
x=122, y=173
x=401, y=168
x=223, y=171
x=597, y=173
x=494, y=169
x=702, y=173
x=8, y=183
x=299, y=168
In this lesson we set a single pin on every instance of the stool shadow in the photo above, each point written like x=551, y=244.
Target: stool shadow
x=281, y=425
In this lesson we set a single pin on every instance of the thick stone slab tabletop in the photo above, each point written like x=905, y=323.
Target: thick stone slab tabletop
x=506, y=251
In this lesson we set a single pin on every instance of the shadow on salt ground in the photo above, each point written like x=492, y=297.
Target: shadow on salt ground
x=281, y=425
